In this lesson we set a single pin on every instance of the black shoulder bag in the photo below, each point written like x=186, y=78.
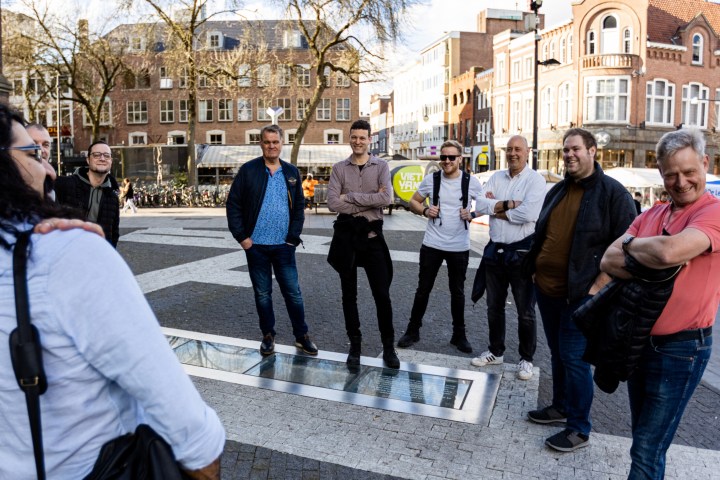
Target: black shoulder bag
x=142, y=455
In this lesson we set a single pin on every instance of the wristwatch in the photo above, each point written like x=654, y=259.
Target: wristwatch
x=626, y=242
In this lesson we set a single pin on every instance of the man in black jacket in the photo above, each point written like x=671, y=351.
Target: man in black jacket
x=266, y=212
x=580, y=217
x=94, y=190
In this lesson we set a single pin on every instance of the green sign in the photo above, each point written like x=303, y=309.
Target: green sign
x=407, y=180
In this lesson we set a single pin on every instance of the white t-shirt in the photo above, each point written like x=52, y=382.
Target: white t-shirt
x=108, y=364
x=448, y=232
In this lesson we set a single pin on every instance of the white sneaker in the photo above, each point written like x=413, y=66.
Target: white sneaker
x=525, y=370
x=486, y=358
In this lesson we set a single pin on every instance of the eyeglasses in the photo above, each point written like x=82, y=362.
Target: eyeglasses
x=450, y=158
x=36, y=149
x=101, y=155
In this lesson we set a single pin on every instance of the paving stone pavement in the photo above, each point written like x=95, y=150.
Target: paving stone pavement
x=210, y=297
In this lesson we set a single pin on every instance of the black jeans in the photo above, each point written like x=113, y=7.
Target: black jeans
x=499, y=277
x=374, y=262
x=430, y=261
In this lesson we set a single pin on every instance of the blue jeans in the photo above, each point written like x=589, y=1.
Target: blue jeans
x=659, y=391
x=263, y=260
x=430, y=261
x=572, y=377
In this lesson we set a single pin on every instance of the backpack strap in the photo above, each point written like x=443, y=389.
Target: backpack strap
x=436, y=188
x=465, y=188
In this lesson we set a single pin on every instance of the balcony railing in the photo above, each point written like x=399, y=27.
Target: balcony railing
x=613, y=60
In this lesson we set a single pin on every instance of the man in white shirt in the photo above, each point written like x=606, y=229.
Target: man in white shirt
x=446, y=238
x=513, y=200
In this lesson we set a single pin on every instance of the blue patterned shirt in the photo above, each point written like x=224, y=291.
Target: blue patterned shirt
x=274, y=218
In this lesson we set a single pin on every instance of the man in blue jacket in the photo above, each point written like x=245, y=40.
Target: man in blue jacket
x=580, y=217
x=266, y=212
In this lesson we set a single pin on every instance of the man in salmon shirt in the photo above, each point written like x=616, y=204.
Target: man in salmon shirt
x=686, y=232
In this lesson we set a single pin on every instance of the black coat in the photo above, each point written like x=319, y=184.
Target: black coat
x=618, y=319
x=75, y=192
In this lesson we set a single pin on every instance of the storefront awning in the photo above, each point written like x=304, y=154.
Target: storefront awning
x=212, y=156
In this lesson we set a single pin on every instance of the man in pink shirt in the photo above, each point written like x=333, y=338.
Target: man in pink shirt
x=686, y=232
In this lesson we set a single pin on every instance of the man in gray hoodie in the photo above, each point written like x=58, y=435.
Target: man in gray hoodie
x=94, y=190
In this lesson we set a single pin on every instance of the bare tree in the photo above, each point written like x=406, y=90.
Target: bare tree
x=88, y=61
x=346, y=38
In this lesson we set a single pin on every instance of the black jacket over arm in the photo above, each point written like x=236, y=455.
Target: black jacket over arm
x=247, y=194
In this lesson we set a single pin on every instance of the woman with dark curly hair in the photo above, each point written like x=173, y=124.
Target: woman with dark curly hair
x=109, y=368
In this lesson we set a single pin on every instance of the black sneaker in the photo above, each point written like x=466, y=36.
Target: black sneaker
x=267, y=346
x=567, y=441
x=306, y=345
x=410, y=337
x=461, y=342
x=547, y=415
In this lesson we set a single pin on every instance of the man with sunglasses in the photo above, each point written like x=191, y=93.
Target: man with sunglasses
x=513, y=200
x=94, y=190
x=447, y=238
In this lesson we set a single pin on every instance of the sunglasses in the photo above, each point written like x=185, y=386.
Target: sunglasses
x=37, y=151
x=450, y=158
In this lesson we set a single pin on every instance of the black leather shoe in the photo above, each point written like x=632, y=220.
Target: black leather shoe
x=306, y=345
x=390, y=357
x=410, y=337
x=461, y=342
x=267, y=346
x=353, y=358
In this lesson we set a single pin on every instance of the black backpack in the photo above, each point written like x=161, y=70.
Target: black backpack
x=464, y=188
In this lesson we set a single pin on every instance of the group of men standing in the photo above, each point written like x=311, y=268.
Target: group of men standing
x=556, y=250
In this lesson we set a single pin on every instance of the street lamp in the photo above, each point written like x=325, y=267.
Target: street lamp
x=535, y=6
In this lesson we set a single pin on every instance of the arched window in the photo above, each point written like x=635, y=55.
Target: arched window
x=590, y=43
x=462, y=97
x=627, y=40
x=454, y=99
x=545, y=52
x=697, y=49
x=552, y=50
x=563, y=49
x=570, y=48
x=609, y=41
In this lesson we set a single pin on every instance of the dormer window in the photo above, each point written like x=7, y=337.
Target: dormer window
x=292, y=39
x=697, y=49
x=214, y=40
x=136, y=44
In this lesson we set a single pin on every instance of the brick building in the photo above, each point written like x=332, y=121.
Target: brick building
x=629, y=71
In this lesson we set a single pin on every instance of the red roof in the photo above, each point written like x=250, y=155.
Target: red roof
x=666, y=16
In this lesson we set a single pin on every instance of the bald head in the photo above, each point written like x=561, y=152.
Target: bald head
x=517, y=152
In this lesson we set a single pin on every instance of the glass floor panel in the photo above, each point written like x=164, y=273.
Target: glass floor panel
x=459, y=395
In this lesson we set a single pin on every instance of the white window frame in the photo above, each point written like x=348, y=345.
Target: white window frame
x=500, y=119
x=176, y=133
x=303, y=75
x=183, y=78
x=288, y=140
x=666, y=101
x=342, y=80
x=562, y=50
x=166, y=82
x=214, y=40
x=136, y=43
x=262, y=106
x=547, y=111
x=529, y=70
x=591, y=48
x=300, y=105
x=332, y=131
x=248, y=133
x=516, y=72
x=527, y=116
x=244, y=75
x=210, y=133
x=592, y=97
x=292, y=39
x=515, y=106
x=700, y=107
x=225, y=109
x=500, y=74
x=105, y=115
x=264, y=75
x=183, y=112
x=206, y=110
x=698, y=43
x=133, y=135
x=244, y=109
x=570, y=48
x=284, y=75
x=286, y=104
x=136, y=112
x=323, y=113
x=565, y=103
x=167, y=115
x=609, y=37
x=343, y=107
x=627, y=40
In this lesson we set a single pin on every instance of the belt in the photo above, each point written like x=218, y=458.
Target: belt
x=682, y=336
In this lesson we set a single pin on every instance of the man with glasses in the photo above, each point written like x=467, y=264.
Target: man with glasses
x=513, y=199
x=94, y=190
x=42, y=139
x=447, y=238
